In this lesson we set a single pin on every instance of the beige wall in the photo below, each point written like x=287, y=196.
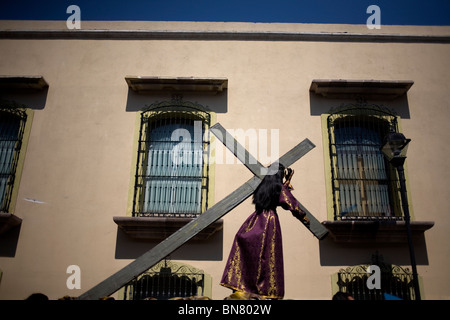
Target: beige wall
x=79, y=157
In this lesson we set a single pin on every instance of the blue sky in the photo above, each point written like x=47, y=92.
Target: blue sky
x=393, y=12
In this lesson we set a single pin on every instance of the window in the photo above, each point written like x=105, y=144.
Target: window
x=363, y=183
x=167, y=280
x=172, y=163
x=394, y=280
x=12, y=128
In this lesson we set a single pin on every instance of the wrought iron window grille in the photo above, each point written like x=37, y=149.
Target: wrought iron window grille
x=12, y=126
x=364, y=185
x=172, y=172
x=395, y=280
x=164, y=281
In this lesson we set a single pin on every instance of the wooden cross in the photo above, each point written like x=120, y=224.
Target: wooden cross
x=184, y=234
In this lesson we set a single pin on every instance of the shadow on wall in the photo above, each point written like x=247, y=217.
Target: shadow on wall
x=320, y=105
x=209, y=249
x=8, y=242
x=217, y=103
x=33, y=99
x=349, y=254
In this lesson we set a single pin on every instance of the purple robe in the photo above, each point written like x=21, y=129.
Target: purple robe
x=255, y=264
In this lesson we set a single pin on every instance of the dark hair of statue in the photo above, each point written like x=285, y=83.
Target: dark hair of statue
x=267, y=194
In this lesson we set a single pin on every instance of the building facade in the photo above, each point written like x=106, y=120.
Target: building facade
x=107, y=149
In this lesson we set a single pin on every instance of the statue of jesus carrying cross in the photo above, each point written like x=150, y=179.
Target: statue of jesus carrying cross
x=255, y=264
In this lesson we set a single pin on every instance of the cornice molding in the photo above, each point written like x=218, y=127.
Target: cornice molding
x=103, y=34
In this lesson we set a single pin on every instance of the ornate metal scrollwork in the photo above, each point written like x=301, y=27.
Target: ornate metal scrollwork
x=395, y=280
x=165, y=280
